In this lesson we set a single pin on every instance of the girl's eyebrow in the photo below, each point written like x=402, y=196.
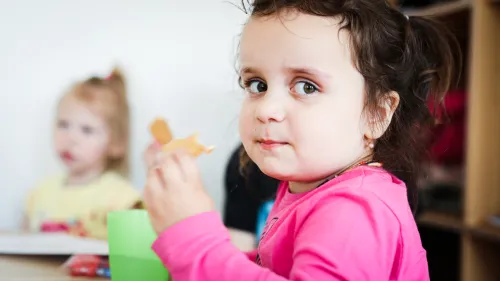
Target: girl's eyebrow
x=293, y=70
x=248, y=70
x=309, y=71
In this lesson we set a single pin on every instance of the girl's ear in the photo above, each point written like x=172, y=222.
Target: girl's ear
x=378, y=124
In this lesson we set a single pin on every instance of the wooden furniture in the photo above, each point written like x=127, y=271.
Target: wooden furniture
x=35, y=268
x=481, y=247
x=475, y=22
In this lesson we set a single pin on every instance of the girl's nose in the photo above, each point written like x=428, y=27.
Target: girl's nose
x=271, y=108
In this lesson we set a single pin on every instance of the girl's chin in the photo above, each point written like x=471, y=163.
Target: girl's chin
x=279, y=173
x=291, y=174
x=273, y=173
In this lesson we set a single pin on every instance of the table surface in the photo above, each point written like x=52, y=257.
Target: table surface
x=49, y=268
x=36, y=268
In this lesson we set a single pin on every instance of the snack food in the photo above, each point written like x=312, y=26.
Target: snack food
x=189, y=144
x=161, y=132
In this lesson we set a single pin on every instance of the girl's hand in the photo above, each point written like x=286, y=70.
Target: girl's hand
x=151, y=154
x=174, y=190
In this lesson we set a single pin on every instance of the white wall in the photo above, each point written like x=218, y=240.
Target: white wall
x=179, y=57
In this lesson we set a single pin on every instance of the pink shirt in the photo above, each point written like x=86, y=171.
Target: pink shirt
x=357, y=227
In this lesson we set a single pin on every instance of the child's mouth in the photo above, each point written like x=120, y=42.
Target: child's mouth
x=67, y=157
x=270, y=144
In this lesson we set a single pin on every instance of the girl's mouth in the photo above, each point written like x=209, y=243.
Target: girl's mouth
x=267, y=144
x=67, y=157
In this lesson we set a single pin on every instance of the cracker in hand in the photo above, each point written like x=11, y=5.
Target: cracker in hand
x=161, y=132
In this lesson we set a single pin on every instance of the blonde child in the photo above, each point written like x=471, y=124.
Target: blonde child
x=335, y=104
x=91, y=138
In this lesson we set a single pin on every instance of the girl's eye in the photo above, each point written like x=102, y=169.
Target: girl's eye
x=304, y=88
x=256, y=87
x=62, y=124
x=87, y=130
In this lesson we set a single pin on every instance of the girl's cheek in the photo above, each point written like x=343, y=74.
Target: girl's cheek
x=246, y=119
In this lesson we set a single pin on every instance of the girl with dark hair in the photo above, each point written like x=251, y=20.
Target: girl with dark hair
x=335, y=108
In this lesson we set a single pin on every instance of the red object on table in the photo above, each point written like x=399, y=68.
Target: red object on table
x=84, y=265
x=75, y=228
x=54, y=227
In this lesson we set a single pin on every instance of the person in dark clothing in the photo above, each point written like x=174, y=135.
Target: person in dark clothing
x=245, y=194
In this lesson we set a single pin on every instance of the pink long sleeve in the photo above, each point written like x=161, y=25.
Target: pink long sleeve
x=252, y=255
x=199, y=248
x=336, y=233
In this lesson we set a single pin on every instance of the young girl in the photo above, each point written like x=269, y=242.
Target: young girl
x=335, y=103
x=91, y=138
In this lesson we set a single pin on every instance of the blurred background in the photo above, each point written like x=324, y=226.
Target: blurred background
x=179, y=60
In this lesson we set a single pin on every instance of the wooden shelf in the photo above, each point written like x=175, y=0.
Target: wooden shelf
x=455, y=223
x=486, y=231
x=441, y=9
x=441, y=220
x=475, y=23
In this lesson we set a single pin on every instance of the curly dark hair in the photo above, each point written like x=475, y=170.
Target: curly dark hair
x=416, y=57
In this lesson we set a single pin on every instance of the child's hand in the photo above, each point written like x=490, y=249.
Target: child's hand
x=174, y=190
x=151, y=155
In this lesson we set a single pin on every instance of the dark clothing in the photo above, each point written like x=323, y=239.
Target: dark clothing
x=244, y=195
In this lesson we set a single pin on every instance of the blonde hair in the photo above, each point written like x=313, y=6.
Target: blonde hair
x=109, y=96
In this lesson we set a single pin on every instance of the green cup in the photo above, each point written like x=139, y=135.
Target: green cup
x=131, y=258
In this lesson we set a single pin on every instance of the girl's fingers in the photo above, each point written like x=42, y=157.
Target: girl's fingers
x=150, y=158
x=151, y=154
x=187, y=165
x=171, y=171
x=156, y=182
x=156, y=145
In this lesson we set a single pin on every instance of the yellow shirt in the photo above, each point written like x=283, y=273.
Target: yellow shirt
x=54, y=201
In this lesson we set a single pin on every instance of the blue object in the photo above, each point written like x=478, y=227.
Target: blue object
x=262, y=215
x=104, y=272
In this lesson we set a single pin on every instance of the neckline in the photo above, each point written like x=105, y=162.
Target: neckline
x=290, y=197
x=92, y=183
